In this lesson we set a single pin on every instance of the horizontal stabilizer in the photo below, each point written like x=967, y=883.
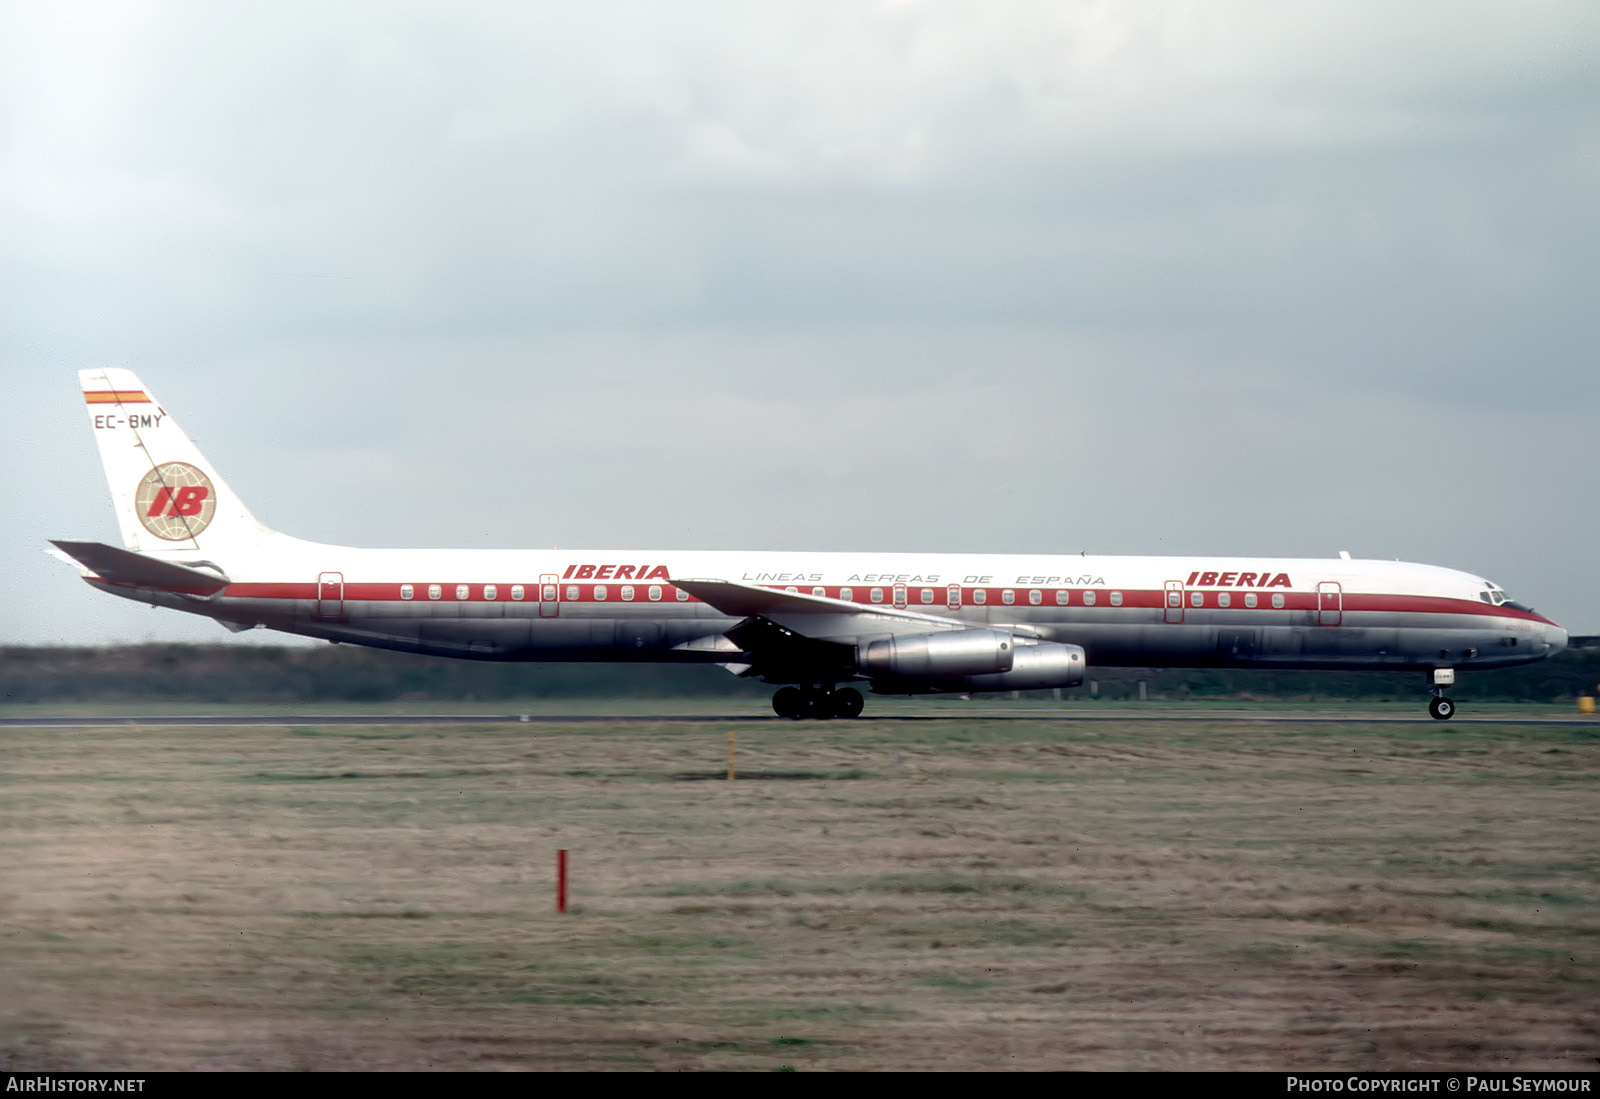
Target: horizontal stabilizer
x=120, y=566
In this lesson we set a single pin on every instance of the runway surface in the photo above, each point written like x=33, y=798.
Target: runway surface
x=1354, y=717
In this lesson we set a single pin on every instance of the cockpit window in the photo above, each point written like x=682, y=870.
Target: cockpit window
x=1496, y=596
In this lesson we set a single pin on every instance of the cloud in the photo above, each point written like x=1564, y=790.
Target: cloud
x=1164, y=277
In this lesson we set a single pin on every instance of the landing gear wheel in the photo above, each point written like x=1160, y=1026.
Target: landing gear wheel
x=1442, y=708
x=786, y=703
x=847, y=702
x=815, y=704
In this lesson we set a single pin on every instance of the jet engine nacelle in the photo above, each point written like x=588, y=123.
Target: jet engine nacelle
x=1035, y=668
x=945, y=655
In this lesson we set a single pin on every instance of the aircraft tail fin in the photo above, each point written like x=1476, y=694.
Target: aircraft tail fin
x=167, y=497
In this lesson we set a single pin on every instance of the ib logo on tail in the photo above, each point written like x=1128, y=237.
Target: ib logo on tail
x=175, y=501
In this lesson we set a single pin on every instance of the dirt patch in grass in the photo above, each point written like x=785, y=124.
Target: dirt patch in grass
x=943, y=894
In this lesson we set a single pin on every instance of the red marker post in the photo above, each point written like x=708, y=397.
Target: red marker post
x=561, y=880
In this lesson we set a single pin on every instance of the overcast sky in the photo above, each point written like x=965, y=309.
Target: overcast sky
x=1252, y=278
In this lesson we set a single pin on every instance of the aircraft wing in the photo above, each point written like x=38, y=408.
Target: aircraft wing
x=822, y=619
x=120, y=566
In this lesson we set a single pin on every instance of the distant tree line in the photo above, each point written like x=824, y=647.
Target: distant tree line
x=340, y=673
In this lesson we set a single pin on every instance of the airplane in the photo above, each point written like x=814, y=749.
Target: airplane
x=811, y=623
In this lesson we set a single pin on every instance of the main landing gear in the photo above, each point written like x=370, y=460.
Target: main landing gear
x=1442, y=708
x=817, y=703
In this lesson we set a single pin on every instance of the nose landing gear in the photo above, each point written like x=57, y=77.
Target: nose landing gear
x=817, y=703
x=1442, y=708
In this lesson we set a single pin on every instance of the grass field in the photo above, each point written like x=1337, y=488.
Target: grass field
x=892, y=893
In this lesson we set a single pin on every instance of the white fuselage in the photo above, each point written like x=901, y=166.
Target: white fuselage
x=622, y=605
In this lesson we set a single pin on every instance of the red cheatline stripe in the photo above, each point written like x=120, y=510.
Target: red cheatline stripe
x=993, y=598
x=117, y=396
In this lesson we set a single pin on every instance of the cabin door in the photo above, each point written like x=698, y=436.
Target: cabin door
x=1330, y=603
x=549, y=595
x=1174, y=600
x=330, y=595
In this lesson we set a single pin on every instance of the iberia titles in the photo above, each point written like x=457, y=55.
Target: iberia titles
x=616, y=572
x=1237, y=580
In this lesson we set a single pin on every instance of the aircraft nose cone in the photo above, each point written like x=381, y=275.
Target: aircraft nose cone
x=1556, y=638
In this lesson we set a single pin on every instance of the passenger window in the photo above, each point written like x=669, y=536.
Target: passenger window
x=548, y=593
x=1277, y=600
x=1224, y=599
x=846, y=594
x=1250, y=599
x=1088, y=599
x=434, y=591
x=517, y=592
x=1197, y=599
x=792, y=590
x=683, y=596
x=1063, y=597
x=1036, y=597
x=627, y=593
x=1008, y=596
x=876, y=595
x=819, y=591
x=461, y=591
x=980, y=595
x=572, y=592
x=927, y=595
x=490, y=591
x=1116, y=599
x=655, y=593
x=405, y=591
x=599, y=593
